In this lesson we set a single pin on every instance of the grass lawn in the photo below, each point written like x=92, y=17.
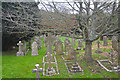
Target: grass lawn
x=21, y=66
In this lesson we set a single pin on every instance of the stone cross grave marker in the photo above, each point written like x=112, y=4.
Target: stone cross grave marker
x=20, y=53
x=115, y=43
x=34, y=49
x=105, y=42
x=37, y=71
x=49, y=40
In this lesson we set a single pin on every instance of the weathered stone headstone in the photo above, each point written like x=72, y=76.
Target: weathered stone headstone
x=20, y=53
x=115, y=43
x=59, y=47
x=112, y=53
x=37, y=71
x=24, y=48
x=37, y=39
x=66, y=43
x=34, y=49
x=105, y=41
x=98, y=49
x=44, y=38
x=80, y=44
x=70, y=51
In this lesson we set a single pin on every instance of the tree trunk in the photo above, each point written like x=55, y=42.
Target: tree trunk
x=88, y=51
x=29, y=44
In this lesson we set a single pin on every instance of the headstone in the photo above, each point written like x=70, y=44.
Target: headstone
x=80, y=44
x=20, y=53
x=37, y=71
x=70, y=51
x=66, y=43
x=59, y=47
x=24, y=48
x=44, y=38
x=112, y=53
x=105, y=42
x=98, y=49
x=34, y=49
x=37, y=39
x=115, y=43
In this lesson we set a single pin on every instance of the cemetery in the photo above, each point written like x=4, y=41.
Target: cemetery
x=50, y=40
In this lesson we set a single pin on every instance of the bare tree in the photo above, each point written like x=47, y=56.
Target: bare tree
x=93, y=16
x=95, y=19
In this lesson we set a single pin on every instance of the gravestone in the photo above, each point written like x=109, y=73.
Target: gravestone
x=115, y=43
x=44, y=38
x=37, y=71
x=66, y=43
x=59, y=47
x=70, y=51
x=20, y=53
x=105, y=41
x=80, y=44
x=34, y=49
x=112, y=53
x=49, y=42
x=24, y=48
x=98, y=49
x=37, y=39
